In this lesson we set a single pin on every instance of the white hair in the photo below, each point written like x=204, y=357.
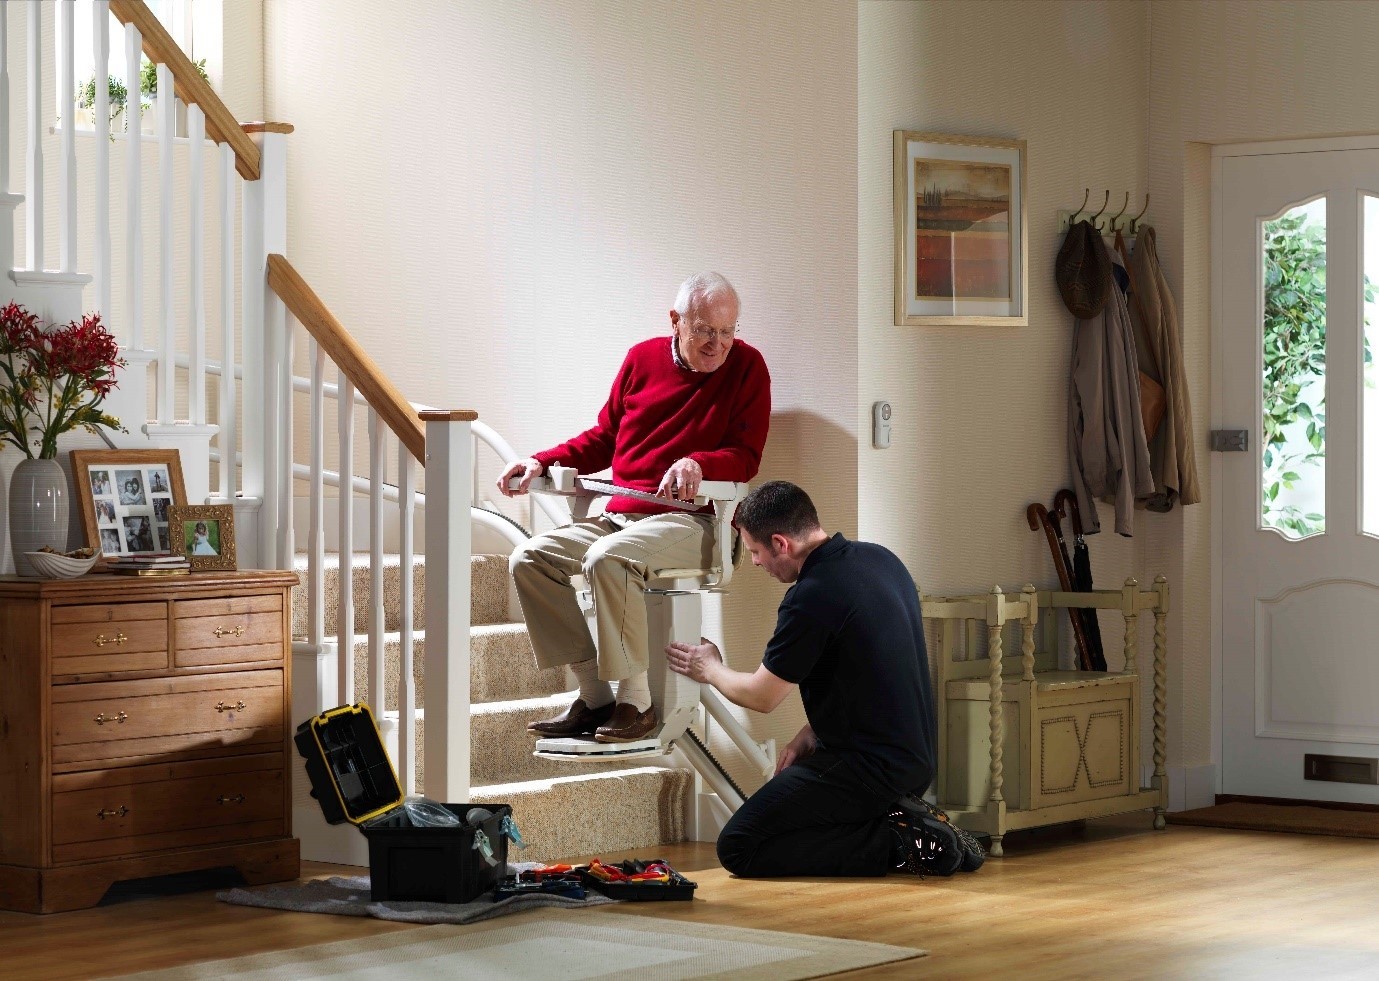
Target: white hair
x=701, y=287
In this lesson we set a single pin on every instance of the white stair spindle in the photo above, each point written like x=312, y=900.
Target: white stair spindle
x=167, y=345
x=406, y=694
x=196, y=381
x=286, y=538
x=134, y=209
x=67, y=158
x=377, y=459
x=345, y=594
x=316, y=532
x=33, y=186
x=100, y=44
x=227, y=437
x=5, y=104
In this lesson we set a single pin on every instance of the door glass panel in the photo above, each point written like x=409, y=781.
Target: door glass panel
x=1294, y=335
x=1369, y=309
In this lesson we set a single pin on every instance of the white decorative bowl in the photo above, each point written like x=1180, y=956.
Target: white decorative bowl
x=51, y=565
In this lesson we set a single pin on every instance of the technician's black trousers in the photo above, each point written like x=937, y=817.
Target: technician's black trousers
x=815, y=817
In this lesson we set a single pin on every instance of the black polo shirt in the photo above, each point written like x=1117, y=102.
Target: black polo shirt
x=849, y=634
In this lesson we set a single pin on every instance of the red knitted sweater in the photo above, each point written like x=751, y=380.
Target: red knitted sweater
x=658, y=412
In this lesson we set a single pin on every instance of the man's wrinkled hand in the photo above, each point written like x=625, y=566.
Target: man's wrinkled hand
x=528, y=469
x=694, y=661
x=681, y=481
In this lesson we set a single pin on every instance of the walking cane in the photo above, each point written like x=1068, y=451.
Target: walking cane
x=1038, y=515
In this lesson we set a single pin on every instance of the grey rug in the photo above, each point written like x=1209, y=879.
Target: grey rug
x=349, y=896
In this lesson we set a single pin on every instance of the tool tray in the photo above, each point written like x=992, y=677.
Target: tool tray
x=353, y=780
x=678, y=888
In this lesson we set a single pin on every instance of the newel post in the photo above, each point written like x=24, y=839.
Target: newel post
x=266, y=476
x=449, y=491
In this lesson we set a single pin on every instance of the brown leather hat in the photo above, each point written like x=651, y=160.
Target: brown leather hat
x=1083, y=271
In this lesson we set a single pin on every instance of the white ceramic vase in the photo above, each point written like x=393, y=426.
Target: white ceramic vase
x=38, y=510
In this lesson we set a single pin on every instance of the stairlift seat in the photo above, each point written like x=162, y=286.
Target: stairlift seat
x=674, y=599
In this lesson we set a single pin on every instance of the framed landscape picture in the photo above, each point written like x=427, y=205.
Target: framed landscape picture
x=126, y=497
x=960, y=231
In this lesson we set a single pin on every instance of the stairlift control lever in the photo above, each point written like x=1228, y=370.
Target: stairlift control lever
x=881, y=425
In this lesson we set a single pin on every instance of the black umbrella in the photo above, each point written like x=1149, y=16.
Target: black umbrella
x=1039, y=516
x=1065, y=505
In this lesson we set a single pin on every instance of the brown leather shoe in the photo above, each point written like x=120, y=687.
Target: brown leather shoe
x=577, y=720
x=627, y=724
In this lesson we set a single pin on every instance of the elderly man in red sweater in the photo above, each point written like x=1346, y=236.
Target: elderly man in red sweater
x=695, y=406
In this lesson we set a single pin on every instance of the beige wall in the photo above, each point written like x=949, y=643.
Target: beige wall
x=1307, y=70
x=498, y=199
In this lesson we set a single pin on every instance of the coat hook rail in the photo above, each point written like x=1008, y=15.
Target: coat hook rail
x=1112, y=223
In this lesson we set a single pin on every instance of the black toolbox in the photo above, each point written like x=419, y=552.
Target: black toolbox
x=353, y=780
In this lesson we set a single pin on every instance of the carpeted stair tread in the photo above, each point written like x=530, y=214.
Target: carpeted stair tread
x=500, y=660
x=488, y=592
x=641, y=807
x=501, y=729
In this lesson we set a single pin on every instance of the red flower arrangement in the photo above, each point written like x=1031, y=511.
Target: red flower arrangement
x=54, y=380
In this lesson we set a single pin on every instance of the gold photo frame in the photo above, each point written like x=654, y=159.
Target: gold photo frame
x=205, y=535
x=961, y=231
x=125, y=498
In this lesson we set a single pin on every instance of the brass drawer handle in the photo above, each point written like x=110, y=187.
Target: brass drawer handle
x=119, y=812
x=102, y=718
x=237, y=707
x=101, y=639
x=222, y=631
x=235, y=799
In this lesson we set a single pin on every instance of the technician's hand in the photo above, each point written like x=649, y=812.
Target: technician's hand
x=694, y=661
x=804, y=744
x=529, y=469
x=682, y=480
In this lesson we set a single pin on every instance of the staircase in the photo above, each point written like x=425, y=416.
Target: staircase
x=563, y=809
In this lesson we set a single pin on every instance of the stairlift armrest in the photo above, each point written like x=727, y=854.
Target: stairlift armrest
x=579, y=499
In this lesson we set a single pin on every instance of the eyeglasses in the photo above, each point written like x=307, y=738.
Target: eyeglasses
x=702, y=332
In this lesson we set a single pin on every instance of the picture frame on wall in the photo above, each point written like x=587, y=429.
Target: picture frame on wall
x=961, y=239
x=126, y=497
x=205, y=535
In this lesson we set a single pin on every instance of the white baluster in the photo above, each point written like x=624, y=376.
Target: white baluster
x=377, y=459
x=196, y=382
x=100, y=45
x=67, y=159
x=316, y=529
x=33, y=186
x=406, y=693
x=5, y=104
x=134, y=209
x=228, y=432
x=286, y=540
x=165, y=108
x=345, y=594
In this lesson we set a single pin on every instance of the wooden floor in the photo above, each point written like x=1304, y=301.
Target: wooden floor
x=1110, y=900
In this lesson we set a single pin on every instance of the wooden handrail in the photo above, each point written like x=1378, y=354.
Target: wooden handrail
x=395, y=411
x=189, y=86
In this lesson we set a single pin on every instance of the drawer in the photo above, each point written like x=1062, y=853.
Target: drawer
x=110, y=637
x=109, y=813
x=126, y=719
x=241, y=630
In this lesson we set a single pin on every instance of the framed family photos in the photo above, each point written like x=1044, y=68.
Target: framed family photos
x=205, y=534
x=126, y=497
x=960, y=231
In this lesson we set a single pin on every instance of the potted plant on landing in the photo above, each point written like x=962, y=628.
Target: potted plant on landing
x=148, y=86
x=86, y=101
x=52, y=381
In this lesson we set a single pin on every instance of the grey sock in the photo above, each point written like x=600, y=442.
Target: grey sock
x=595, y=693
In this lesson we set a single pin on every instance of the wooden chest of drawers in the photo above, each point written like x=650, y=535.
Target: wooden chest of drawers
x=144, y=730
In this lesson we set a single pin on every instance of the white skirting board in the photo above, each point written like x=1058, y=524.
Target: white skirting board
x=1190, y=785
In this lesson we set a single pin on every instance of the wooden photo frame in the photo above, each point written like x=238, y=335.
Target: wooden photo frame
x=205, y=535
x=126, y=497
x=961, y=235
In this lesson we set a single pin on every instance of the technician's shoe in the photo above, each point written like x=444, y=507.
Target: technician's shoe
x=933, y=838
x=627, y=724
x=577, y=720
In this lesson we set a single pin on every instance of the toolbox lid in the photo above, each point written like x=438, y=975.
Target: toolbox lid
x=347, y=764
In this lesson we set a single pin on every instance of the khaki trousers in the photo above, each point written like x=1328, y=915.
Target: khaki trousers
x=616, y=554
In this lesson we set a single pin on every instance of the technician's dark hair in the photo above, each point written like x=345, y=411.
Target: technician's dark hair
x=777, y=507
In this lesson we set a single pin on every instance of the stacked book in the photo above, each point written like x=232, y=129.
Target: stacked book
x=160, y=564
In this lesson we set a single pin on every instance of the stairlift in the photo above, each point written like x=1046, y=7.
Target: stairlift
x=674, y=599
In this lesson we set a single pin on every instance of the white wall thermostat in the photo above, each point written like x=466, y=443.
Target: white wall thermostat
x=881, y=425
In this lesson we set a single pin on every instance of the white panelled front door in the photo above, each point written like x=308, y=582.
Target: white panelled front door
x=1299, y=552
